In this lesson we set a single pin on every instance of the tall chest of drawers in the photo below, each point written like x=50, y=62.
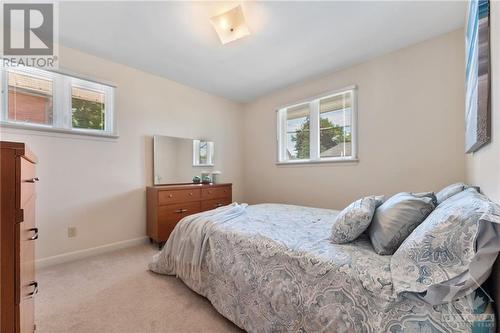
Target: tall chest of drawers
x=168, y=204
x=18, y=234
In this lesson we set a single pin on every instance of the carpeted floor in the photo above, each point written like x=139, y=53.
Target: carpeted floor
x=115, y=292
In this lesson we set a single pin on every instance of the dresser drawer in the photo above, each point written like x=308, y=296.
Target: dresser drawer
x=168, y=197
x=178, y=211
x=28, y=179
x=168, y=204
x=28, y=233
x=215, y=203
x=216, y=192
x=169, y=215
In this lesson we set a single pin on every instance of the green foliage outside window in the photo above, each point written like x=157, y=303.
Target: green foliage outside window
x=301, y=140
x=87, y=114
x=330, y=136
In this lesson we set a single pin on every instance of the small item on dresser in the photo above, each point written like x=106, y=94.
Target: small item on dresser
x=204, y=175
x=215, y=176
x=196, y=179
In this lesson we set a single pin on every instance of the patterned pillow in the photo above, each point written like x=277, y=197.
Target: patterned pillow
x=450, y=191
x=396, y=219
x=452, y=252
x=354, y=219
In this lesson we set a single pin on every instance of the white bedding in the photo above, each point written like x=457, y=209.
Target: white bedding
x=186, y=246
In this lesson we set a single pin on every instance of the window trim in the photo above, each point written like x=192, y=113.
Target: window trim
x=109, y=118
x=61, y=101
x=314, y=116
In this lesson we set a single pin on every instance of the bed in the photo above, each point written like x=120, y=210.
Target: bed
x=274, y=269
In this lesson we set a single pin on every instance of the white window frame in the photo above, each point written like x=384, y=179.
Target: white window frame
x=314, y=119
x=61, y=101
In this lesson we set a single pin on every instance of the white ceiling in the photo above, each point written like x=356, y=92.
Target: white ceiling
x=290, y=41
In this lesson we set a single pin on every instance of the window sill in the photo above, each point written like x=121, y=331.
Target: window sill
x=323, y=161
x=41, y=128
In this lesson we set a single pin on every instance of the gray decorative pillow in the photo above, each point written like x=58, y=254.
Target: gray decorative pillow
x=452, y=252
x=450, y=191
x=354, y=219
x=396, y=218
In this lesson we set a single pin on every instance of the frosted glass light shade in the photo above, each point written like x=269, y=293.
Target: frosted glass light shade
x=230, y=25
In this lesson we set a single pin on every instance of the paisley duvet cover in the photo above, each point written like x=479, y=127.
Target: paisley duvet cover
x=274, y=269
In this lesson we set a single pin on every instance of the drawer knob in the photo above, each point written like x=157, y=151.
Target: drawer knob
x=33, y=284
x=35, y=233
x=32, y=180
x=191, y=193
x=170, y=196
x=180, y=211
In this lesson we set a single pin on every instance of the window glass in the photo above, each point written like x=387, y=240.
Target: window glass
x=88, y=109
x=319, y=129
x=335, y=126
x=29, y=99
x=32, y=97
x=297, y=132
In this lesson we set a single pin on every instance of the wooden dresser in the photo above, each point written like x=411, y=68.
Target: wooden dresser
x=168, y=204
x=18, y=233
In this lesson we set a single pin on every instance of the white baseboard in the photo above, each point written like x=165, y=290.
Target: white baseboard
x=70, y=256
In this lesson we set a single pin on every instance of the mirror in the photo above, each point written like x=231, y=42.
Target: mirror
x=178, y=160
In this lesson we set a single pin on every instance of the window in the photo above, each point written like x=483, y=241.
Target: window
x=40, y=99
x=29, y=99
x=321, y=129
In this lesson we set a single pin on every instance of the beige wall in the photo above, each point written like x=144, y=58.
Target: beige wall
x=483, y=167
x=98, y=185
x=410, y=138
x=411, y=130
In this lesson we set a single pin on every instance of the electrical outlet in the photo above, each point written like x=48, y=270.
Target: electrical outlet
x=71, y=232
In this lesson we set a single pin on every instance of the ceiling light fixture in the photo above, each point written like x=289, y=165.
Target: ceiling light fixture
x=230, y=25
